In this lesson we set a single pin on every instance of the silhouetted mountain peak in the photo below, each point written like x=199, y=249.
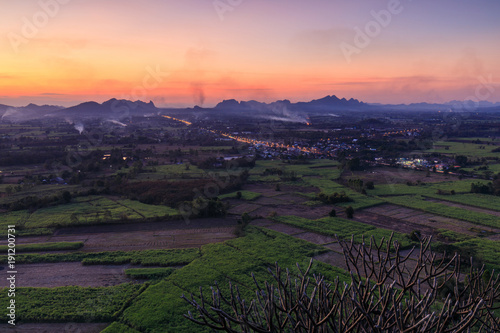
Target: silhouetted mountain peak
x=111, y=109
x=326, y=103
x=228, y=104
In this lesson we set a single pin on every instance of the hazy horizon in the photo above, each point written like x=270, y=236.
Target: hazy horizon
x=192, y=105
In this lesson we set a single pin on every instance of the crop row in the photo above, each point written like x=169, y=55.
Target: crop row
x=70, y=304
x=149, y=273
x=472, y=199
x=146, y=257
x=459, y=186
x=59, y=246
x=88, y=210
x=343, y=228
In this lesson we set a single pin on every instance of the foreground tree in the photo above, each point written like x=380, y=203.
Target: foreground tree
x=388, y=292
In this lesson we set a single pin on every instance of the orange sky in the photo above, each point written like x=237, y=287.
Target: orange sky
x=192, y=52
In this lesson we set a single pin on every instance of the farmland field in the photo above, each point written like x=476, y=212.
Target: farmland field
x=459, y=186
x=462, y=148
x=420, y=220
x=488, y=202
x=94, y=249
x=85, y=211
x=72, y=303
x=419, y=202
x=334, y=226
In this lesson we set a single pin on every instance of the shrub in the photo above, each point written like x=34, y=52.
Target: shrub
x=349, y=211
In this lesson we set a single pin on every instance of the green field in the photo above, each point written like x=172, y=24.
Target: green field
x=485, y=201
x=491, y=167
x=459, y=186
x=328, y=187
x=316, y=168
x=171, y=257
x=172, y=172
x=343, y=228
x=85, y=210
x=60, y=246
x=71, y=304
x=483, y=251
x=245, y=195
x=149, y=273
x=459, y=148
x=39, y=191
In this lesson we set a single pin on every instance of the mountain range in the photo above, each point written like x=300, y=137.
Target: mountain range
x=328, y=103
x=115, y=109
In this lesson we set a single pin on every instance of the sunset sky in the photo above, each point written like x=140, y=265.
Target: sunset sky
x=188, y=52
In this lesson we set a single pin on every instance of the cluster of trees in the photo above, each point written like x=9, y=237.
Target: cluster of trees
x=333, y=198
x=445, y=192
x=205, y=207
x=272, y=172
x=490, y=188
x=461, y=160
x=359, y=185
x=353, y=164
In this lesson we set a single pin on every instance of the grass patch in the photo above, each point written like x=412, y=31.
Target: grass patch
x=482, y=250
x=451, y=236
x=172, y=172
x=462, y=148
x=85, y=211
x=314, y=168
x=485, y=201
x=245, y=195
x=71, y=304
x=59, y=246
x=38, y=191
x=313, y=203
x=149, y=273
x=171, y=257
x=428, y=189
